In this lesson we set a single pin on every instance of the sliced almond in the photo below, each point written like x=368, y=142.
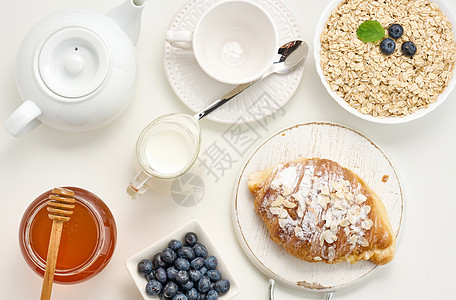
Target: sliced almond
x=300, y=211
x=363, y=242
x=351, y=219
x=339, y=204
x=278, y=201
x=367, y=224
x=298, y=231
x=324, y=190
x=340, y=194
x=344, y=223
x=283, y=213
x=360, y=198
x=283, y=223
x=287, y=190
x=322, y=240
x=329, y=237
x=317, y=258
x=353, y=239
x=335, y=185
x=357, y=210
x=274, y=210
x=323, y=200
x=289, y=204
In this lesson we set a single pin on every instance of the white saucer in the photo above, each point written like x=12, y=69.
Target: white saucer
x=324, y=140
x=196, y=89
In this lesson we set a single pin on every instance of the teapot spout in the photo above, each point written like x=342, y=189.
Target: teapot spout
x=128, y=16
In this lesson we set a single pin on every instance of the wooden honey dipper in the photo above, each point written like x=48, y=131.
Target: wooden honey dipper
x=60, y=206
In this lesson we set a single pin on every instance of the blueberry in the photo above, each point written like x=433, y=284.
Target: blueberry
x=387, y=46
x=201, y=296
x=395, y=31
x=175, y=245
x=180, y=297
x=222, y=286
x=214, y=275
x=408, y=49
x=204, y=285
x=171, y=272
x=170, y=289
x=187, y=253
x=200, y=250
x=212, y=295
x=211, y=262
x=203, y=270
x=194, y=275
x=145, y=266
x=182, y=264
x=168, y=256
x=158, y=262
x=192, y=294
x=153, y=288
x=160, y=275
x=150, y=276
x=186, y=286
x=197, y=263
x=182, y=277
x=190, y=239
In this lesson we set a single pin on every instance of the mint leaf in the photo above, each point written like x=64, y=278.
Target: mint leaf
x=370, y=31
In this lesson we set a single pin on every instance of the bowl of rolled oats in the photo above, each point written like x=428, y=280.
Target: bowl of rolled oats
x=378, y=72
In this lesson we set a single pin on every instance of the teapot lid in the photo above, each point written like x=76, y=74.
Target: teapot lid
x=73, y=62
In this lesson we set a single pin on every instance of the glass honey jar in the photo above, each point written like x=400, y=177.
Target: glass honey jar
x=87, y=242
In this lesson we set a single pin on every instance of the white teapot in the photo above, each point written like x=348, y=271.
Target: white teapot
x=76, y=70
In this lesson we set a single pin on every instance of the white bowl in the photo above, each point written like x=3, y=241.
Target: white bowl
x=385, y=120
x=193, y=226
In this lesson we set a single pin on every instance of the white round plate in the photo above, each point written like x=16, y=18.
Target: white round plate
x=323, y=140
x=197, y=90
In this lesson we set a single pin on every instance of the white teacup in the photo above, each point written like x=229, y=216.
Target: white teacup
x=235, y=41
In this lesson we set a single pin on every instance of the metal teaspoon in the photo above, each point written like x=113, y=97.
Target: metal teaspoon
x=292, y=55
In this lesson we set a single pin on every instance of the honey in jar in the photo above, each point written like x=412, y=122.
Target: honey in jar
x=87, y=242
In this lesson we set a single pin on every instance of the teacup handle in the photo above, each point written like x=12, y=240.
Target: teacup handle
x=23, y=119
x=179, y=39
x=138, y=185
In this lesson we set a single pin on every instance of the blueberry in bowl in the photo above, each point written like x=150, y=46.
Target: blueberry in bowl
x=190, y=239
x=395, y=31
x=387, y=46
x=408, y=48
x=145, y=267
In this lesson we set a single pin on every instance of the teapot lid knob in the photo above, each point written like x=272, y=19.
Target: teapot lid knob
x=73, y=62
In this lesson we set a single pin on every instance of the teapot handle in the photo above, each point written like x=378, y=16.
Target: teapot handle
x=23, y=119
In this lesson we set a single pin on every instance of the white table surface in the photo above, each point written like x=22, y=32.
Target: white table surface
x=102, y=162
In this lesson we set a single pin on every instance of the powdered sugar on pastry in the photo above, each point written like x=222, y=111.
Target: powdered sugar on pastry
x=320, y=206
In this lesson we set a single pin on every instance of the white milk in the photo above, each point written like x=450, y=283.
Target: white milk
x=168, y=151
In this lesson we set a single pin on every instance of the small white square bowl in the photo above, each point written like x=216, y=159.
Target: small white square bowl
x=148, y=253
